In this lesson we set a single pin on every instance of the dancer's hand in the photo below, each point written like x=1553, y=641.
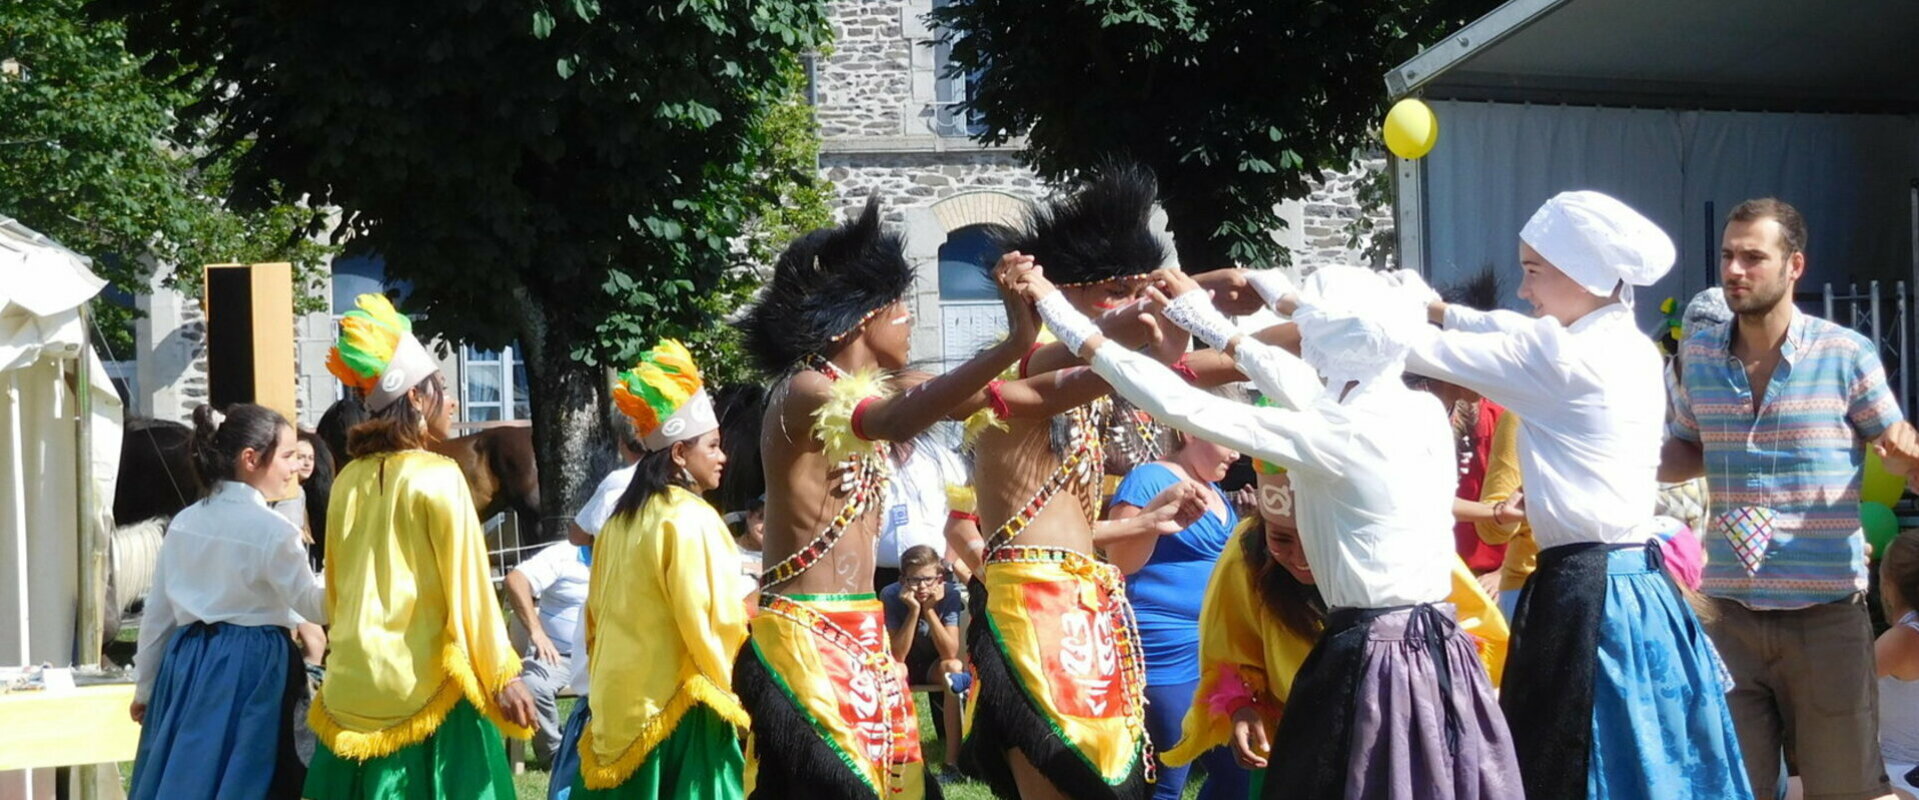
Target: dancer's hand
x=516, y=704
x=138, y=711
x=1032, y=283
x=1250, y=745
x=1171, y=282
x=1233, y=294
x=1021, y=320
x=1175, y=508
x=1489, y=583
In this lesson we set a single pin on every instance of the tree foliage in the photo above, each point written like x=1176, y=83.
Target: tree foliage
x=86, y=158
x=576, y=176
x=1235, y=105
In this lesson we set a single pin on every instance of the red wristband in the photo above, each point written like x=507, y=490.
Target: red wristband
x=1027, y=360
x=997, y=399
x=1184, y=369
x=967, y=516
x=859, y=412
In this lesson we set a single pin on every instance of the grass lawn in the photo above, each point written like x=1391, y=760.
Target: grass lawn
x=532, y=783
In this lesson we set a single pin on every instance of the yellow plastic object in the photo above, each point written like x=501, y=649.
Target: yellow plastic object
x=1411, y=129
x=88, y=725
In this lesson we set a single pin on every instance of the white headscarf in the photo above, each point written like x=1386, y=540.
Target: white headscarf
x=1599, y=242
x=1348, y=329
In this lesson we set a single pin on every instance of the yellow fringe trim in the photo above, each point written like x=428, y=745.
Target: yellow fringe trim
x=699, y=691
x=961, y=498
x=461, y=683
x=833, y=422
x=976, y=424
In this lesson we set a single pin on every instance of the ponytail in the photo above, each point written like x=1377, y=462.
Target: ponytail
x=219, y=439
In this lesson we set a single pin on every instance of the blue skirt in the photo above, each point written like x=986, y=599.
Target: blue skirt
x=1612, y=689
x=218, y=722
x=1660, y=726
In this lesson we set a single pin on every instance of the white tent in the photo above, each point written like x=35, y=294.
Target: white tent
x=1682, y=110
x=44, y=511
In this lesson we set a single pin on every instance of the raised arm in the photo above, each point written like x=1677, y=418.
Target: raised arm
x=904, y=415
x=1294, y=439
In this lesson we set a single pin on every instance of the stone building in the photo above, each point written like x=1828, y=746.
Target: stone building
x=890, y=125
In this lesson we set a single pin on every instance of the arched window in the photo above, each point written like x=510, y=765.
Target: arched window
x=971, y=317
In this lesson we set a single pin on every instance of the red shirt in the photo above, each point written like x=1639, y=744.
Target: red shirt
x=1479, y=556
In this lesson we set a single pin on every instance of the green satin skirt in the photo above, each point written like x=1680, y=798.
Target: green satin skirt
x=700, y=760
x=465, y=758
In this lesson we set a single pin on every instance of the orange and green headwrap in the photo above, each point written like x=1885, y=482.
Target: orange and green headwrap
x=665, y=397
x=376, y=353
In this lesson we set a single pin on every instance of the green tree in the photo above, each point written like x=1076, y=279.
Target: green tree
x=85, y=158
x=572, y=175
x=1235, y=105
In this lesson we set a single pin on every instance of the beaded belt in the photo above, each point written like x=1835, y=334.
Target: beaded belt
x=876, y=663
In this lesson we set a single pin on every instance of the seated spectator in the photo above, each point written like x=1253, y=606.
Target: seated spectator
x=922, y=622
x=557, y=577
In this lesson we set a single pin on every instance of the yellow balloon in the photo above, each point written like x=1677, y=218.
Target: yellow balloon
x=1411, y=129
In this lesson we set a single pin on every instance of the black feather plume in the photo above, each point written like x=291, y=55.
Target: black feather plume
x=824, y=284
x=1100, y=231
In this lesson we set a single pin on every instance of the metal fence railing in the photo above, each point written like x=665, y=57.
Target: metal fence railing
x=1885, y=317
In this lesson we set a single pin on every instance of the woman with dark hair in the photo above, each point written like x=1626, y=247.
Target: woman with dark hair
x=422, y=676
x=218, y=675
x=665, y=620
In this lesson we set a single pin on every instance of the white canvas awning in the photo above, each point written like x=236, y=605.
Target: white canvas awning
x=44, y=510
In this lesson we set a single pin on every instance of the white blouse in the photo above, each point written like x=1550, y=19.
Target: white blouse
x=1591, y=402
x=1373, y=477
x=227, y=558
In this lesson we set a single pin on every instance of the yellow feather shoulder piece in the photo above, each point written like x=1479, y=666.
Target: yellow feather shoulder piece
x=961, y=498
x=833, y=422
x=977, y=423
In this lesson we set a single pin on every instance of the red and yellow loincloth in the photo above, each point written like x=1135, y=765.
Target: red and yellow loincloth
x=1065, y=635
x=828, y=655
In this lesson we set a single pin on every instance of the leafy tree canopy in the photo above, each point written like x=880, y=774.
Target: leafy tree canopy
x=572, y=173
x=1235, y=105
x=85, y=158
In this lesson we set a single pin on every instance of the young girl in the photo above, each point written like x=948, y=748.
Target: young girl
x=218, y=674
x=422, y=676
x=664, y=620
x=1898, y=657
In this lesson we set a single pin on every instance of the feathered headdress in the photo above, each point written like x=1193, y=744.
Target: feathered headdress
x=1101, y=231
x=376, y=353
x=825, y=285
x=665, y=397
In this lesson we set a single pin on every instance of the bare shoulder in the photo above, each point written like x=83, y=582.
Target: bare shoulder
x=1898, y=653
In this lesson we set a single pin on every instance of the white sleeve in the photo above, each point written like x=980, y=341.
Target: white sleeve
x=1292, y=439
x=1281, y=376
x=1472, y=320
x=1520, y=370
x=284, y=567
x=156, y=632
x=544, y=568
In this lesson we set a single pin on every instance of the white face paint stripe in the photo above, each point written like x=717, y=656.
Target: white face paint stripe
x=902, y=319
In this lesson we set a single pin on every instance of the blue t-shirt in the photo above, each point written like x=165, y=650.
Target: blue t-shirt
x=950, y=607
x=1167, y=592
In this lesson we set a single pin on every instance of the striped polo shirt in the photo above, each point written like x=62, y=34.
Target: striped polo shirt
x=1802, y=456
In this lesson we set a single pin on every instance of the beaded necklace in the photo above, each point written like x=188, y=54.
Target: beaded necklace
x=862, y=478
x=1080, y=469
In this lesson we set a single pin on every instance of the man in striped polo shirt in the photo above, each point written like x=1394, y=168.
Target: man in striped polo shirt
x=1775, y=408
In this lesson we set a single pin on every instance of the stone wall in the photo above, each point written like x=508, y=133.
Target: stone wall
x=1327, y=218
x=863, y=85
x=922, y=179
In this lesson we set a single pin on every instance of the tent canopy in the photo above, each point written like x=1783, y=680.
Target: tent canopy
x=1682, y=110
x=44, y=508
x=1756, y=55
